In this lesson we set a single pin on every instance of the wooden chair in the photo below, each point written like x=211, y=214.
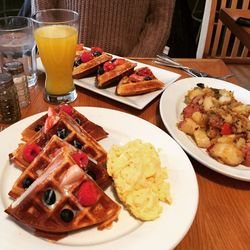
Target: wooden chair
x=217, y=41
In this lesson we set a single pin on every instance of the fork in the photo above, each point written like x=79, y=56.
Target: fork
x=170, y=62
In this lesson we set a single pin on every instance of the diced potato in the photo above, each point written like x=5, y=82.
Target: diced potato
x=242, y=109
x=199, y=118
x=194, y=92
x=208, y=103
x=201, y=138
x=188, y=126
x=227, y=153
x=226, y=138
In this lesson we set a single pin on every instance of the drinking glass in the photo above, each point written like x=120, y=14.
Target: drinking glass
x=56, y=33
x=17, y=43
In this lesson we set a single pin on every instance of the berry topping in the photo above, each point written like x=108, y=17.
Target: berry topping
x=87, y=194
x=49, y=196
x=51, y=120
x=118, y=61
x=77, y=144
x=67, y=108
x=38, y=127
x=30, y=152
x=145, y=72
x=100, y=70
x=147, y=78
x=96, y=49
x=78, y=121
x=27, y=182
x=67, y=215
x=91, y=174
x=86, y=56
x=77, y=62
x=81, y=159
x=96, y=53
x=62, y=133
x=107, y=66
x=136, y=78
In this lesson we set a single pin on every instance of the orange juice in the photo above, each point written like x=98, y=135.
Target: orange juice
x=56, y=45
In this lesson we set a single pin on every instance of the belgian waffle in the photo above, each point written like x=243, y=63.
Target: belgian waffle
x=90, y=67
x=93, y=129
x=67, y=129
x=42, y=161
x=112, y=77
x=44, y=204
x=137, y=84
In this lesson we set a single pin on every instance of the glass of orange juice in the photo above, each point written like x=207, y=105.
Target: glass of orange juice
x=56, y=33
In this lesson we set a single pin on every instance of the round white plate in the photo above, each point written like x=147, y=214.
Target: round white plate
x=171, y=106
x=128, y=233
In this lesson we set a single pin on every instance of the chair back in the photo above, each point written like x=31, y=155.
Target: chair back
x=216, y=40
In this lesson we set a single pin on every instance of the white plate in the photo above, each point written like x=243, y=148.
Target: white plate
x=128, y=233
x=139, y=101
x=171, y=106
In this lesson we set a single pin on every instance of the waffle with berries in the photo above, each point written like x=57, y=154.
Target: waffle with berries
x=88, y=61
x=67, y=129
x=42, y=161
x=90, y=127
x=140, y=82
x=112, y=72
x=64, y=199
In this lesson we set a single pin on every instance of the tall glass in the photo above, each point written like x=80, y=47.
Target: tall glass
x=17, y=43
x=56, y=32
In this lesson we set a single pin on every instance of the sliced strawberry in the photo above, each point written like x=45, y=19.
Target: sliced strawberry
x=96, y=49
x=30, y=152
x=81, y=159
x=107, y=66
x=51, y=111
x=119, y=61
x=87, y=194
x=145, y=72
x=136, y=78
x=67, y=109
x=86, y=56
x=51, y=120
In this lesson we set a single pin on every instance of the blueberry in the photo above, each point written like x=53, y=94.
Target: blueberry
x=49, y=196
x=77, y=144
x=62, y=133
x=67, y=215
x=27, y=182
x=97, y=53
x=78, y=121
x=77, y=62
x=147, y=78
x=91, y=174
x=38, y=127
x=100, y=70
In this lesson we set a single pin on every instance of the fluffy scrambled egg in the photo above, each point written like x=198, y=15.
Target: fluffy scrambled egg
x=139, y=178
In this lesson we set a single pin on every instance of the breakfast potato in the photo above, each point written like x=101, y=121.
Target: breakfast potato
x=201, y=138
x=188, y=126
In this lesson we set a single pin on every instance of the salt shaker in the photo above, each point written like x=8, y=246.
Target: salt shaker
x=9, y=104
x=15, y=68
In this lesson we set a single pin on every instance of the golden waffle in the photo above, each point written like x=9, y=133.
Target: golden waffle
x=141, y=84
x=93, y=129
x=90, y=67
x=52, y=203
x=113, y=76
x=67, y=129
x=42, y=161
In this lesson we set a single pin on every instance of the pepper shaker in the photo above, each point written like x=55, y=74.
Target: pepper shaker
x=9, y=104
x=15, y=68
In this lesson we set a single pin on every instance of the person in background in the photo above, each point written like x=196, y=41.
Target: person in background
x=131, y=28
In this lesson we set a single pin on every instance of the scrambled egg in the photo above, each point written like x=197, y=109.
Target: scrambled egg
x=139, y=179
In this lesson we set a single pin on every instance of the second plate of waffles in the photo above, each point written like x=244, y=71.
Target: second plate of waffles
x=163, y=233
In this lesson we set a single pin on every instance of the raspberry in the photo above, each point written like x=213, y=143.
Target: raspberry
x=96, y=49
x=81, y=159
x=87, y=194
x=67, y=109
x=107, y=66
x=86, y=56
x=30, y=152
x=118, y=61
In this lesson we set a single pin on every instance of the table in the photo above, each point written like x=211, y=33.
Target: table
x=223, y=216
x=229, y=16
